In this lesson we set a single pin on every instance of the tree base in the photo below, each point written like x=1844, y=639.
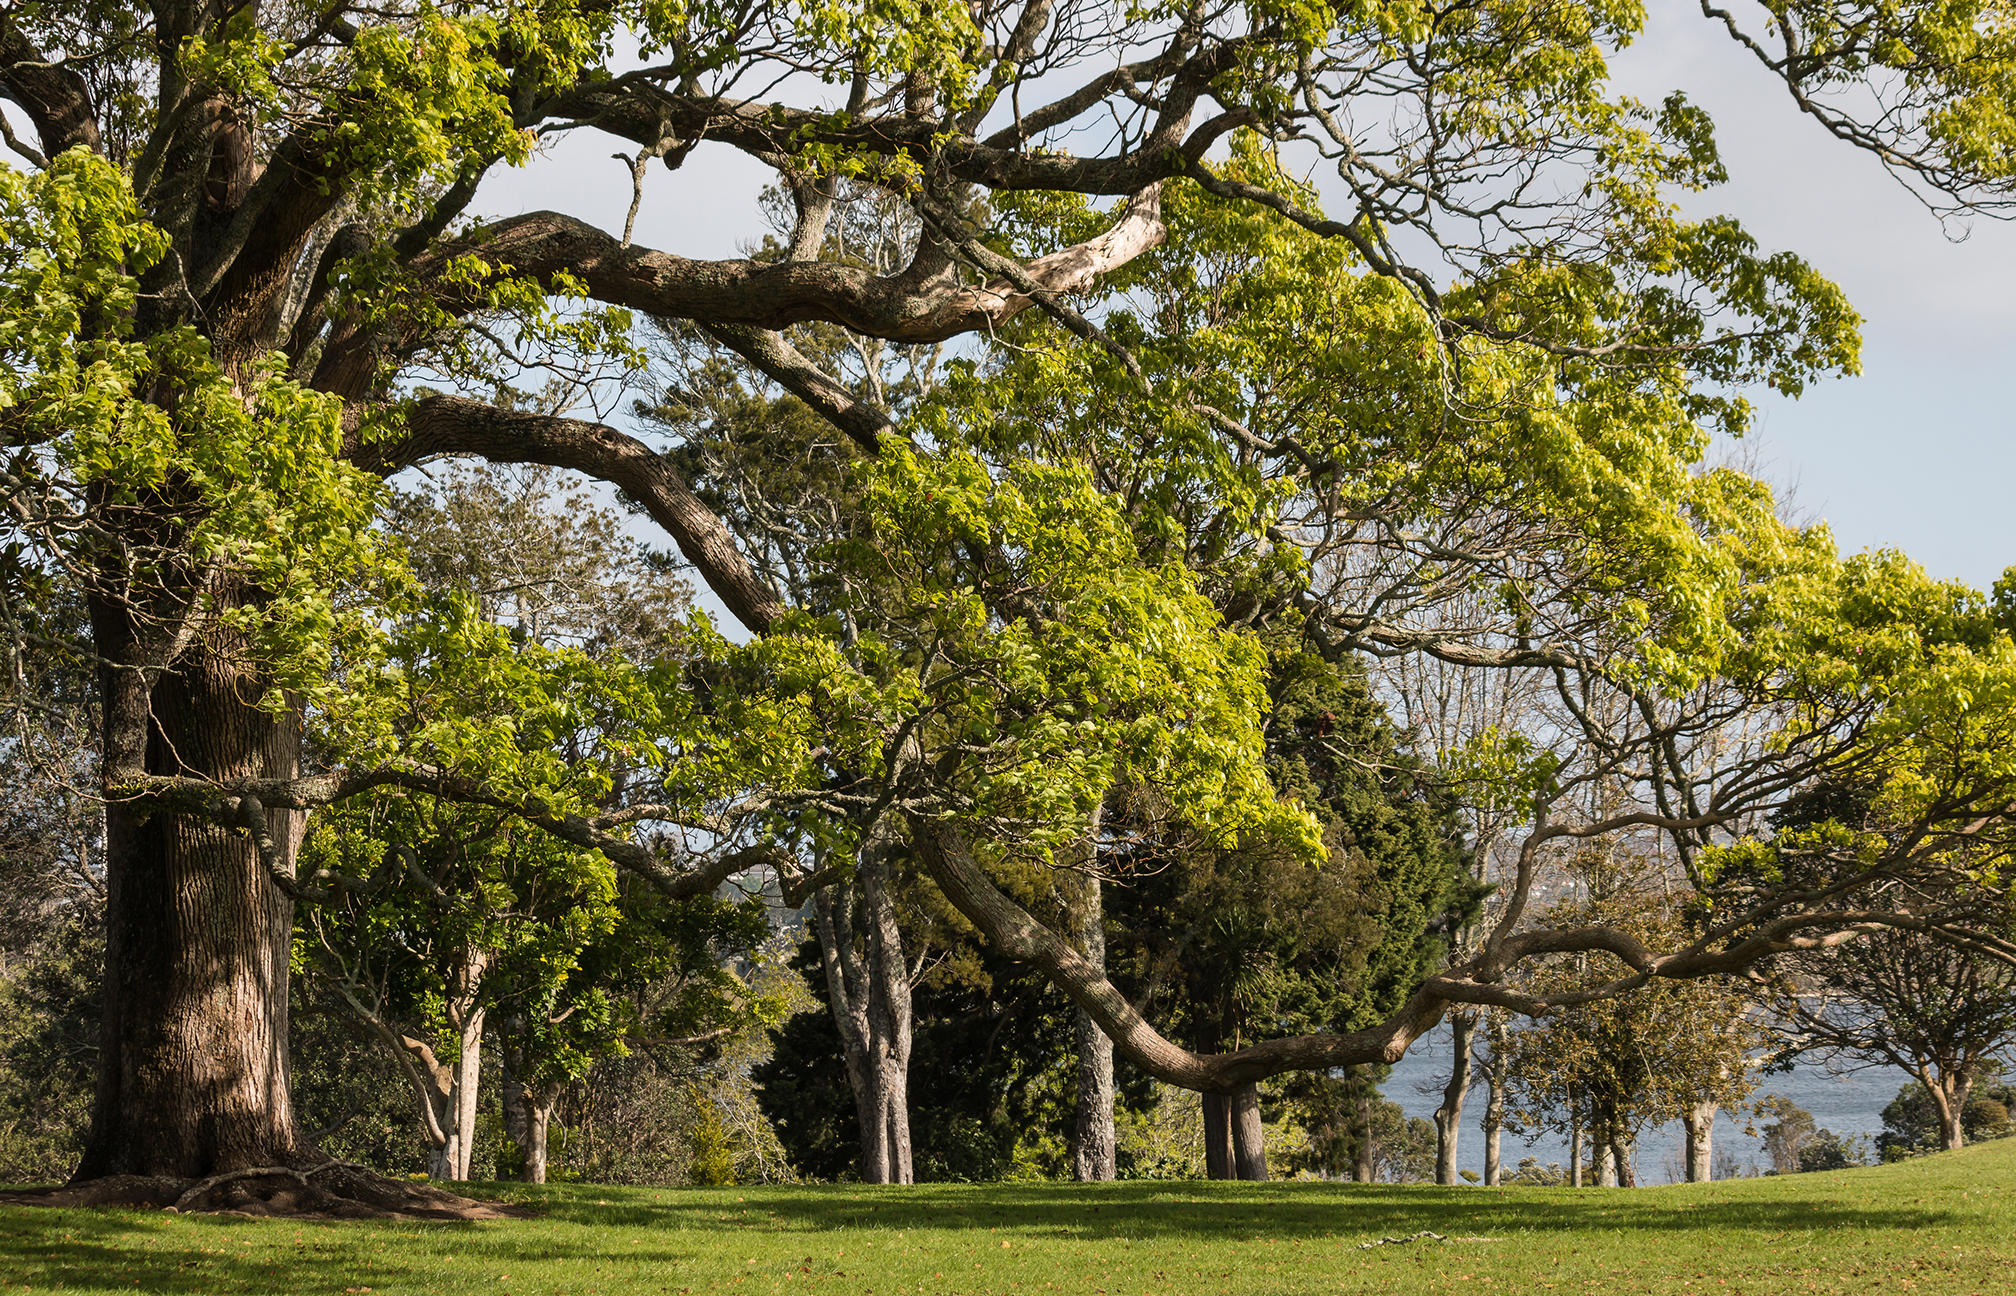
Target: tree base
x=332, y=1190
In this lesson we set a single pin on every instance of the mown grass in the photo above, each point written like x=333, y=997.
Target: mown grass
x=1943, y=1224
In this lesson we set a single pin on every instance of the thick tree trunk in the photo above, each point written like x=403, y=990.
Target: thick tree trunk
x=1624, y=1147
x=1949, y=1092
x=870, y=1000
x=1606, y=1163
x=1449, y=1116
x=1700, y=1123
x=1249, y=1136
x=192, y=1075
x=1094, y=1149
x=1218, y=1163
x=1094, y=1144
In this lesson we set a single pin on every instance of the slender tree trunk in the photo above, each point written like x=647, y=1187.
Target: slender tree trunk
x=192, y=1066
x=538, y=1125
x=1494, y=1107
x=456, y=1101
x=1449, y=1116
x=1700, y=1123
x=1575, y=1154
x=1094, y=1150
x=1249, y=1136
x=870, y=1000
x=514, y=1100
x=446, y=1090
x=1362, y=1163
x=1218, y=1162
x=1494, y=1129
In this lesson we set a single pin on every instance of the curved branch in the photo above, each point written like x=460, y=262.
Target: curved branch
x=56, y=99
x=441, y=425
x=900, y=308
x=1010, y=929
x=771, y=353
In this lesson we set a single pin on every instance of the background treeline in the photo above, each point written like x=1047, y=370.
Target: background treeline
x=473, y=1000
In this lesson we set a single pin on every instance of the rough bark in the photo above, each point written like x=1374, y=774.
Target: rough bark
x=1700, y=1125
x=868, y=991
x=56, y=99
x=1624, y=1148
x=1218, y=1161
x=192, y=1077
x=919, y=304
x=1449, y=1116
x=1249, y=1136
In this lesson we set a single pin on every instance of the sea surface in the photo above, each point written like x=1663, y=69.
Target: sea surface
x=1849, y=1104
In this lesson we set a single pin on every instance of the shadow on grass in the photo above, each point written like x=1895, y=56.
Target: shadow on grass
x=138, y=1250
x=114, y=1248
x=1230, y=1212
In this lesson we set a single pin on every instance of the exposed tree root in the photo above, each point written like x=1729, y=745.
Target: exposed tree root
x=328, y=1190
x=1424, y=1233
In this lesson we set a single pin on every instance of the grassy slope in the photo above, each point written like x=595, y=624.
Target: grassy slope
x=1943, y=1224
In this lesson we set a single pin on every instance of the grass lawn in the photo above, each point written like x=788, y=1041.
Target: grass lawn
x=1944, y=1224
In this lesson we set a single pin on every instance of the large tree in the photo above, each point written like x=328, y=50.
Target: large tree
x=246, y=239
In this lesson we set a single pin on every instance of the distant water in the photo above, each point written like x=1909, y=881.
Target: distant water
x=1847, y=1104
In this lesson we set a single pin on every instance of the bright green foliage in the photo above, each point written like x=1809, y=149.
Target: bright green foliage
x=1104, y=668
x=246, y=465
x=1286, y=378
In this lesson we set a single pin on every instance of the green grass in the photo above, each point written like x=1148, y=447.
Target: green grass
x=1943, y=1224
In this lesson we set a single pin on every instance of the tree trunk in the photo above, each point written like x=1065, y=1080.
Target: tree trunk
x=1575, y=1154
x=1218, y=1163
x=1094, y=1150
x=447, y=1090
x=1949, y=1097
x=1449, y=1116
x=1700, y=1123
x=870, y=1000
x=192, y=1067
x=454, y=1099
x=1606, y=1164
x=1624, y=1147
x=1249, y=1136
x=1494, y=1111
x=1362, y=1162
x=539, y=1103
